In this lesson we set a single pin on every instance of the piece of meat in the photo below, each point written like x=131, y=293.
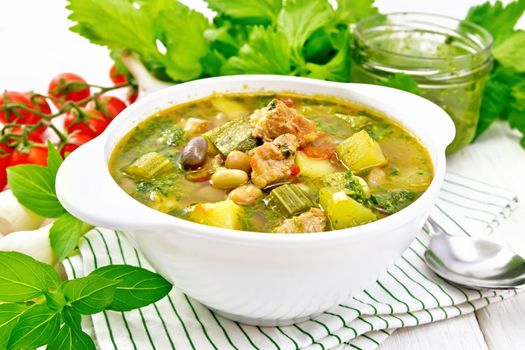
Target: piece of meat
x=313, y=220
x=277, y=119
x=271, y=162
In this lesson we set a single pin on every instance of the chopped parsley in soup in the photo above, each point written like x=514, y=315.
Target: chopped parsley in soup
x=266, y=162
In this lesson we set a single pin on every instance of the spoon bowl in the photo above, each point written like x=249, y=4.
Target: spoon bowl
x=474, y=262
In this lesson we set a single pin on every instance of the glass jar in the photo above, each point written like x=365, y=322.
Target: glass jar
x=448, y=58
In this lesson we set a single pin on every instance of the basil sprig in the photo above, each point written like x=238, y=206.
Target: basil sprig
x=34, y=187
x=37, y=309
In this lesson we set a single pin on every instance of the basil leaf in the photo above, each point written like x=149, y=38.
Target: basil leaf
x=54, y=159
x=9, y=315
x=35, y=328
x=23, y=278
x=89, y=295
x=137, y=287
x=71, y=338
x=34, y=187
x=71, y=317
x=65, y=234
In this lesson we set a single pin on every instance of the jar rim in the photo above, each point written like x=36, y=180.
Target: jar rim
x=484, y=35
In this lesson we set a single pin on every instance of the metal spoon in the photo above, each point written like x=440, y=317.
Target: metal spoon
x=473, y=262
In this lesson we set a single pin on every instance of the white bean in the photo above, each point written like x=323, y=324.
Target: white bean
x=226, y=179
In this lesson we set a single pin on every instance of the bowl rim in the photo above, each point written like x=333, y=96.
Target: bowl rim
x=185, y=227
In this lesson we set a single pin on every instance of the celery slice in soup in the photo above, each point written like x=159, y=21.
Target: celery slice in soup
x=149, y=165
x=232, y=136
x=290, y=199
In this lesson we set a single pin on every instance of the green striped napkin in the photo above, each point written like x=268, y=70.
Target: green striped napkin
x=408, y=294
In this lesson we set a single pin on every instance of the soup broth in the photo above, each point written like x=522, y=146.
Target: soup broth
x=275, y=163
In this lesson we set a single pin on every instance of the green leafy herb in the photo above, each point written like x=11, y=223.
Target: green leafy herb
x=65, y=235
x=9, y=315
x=354, y=189
x=183, y=52
x=23, y=278
x=71, y=338
x=403, y=82
x=351, y=11
x=256, y=12
x=35, y=328
x=498, y=19
x=392, y=202
x=89, y=295
x=511, y=52
x=36, y=308
x=299, y=19
x=253, y=57
x=502, y=98
x=34, y=185
x=137, y=287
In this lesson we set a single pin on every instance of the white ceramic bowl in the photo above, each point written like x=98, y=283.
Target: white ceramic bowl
x=252, y=277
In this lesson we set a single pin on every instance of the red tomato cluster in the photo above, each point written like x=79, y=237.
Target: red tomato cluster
x=87, y=117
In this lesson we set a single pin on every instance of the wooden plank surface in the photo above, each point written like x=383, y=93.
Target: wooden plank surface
x=460, y=333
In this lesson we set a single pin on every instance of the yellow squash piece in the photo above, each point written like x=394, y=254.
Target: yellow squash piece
x=225, y=214
x=344, y=211
x=313, y=167
x=360, y=152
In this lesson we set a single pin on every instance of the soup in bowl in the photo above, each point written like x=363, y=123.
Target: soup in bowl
x=266, y=162
x=269, y=199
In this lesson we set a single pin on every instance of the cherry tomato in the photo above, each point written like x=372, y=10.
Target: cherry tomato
x=116, y=77
x=4, y=161
x=35, y=155
x=35, y=136
x=323, y=147
x=17, y=115
x=132, y=95
x=295, y=170
x=91, y=122
x=75, y=141
x=110, y=106
x=39, y=102
x=68, y=87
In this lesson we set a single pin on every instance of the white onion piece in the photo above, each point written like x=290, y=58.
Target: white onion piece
x=14, y=216
x=33, y=243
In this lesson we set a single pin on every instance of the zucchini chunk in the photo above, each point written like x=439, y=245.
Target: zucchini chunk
x=235, y=135
x=342, y=210
x=360, y=152
x=313, y=167
x=149, y=166
x=289, y=200
x=225, y=214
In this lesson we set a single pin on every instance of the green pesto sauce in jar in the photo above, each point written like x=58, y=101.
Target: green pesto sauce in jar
x=448, y=58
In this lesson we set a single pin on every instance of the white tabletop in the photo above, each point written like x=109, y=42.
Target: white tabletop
x=36, y=45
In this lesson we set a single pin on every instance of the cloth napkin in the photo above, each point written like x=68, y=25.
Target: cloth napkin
x=407, y=294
